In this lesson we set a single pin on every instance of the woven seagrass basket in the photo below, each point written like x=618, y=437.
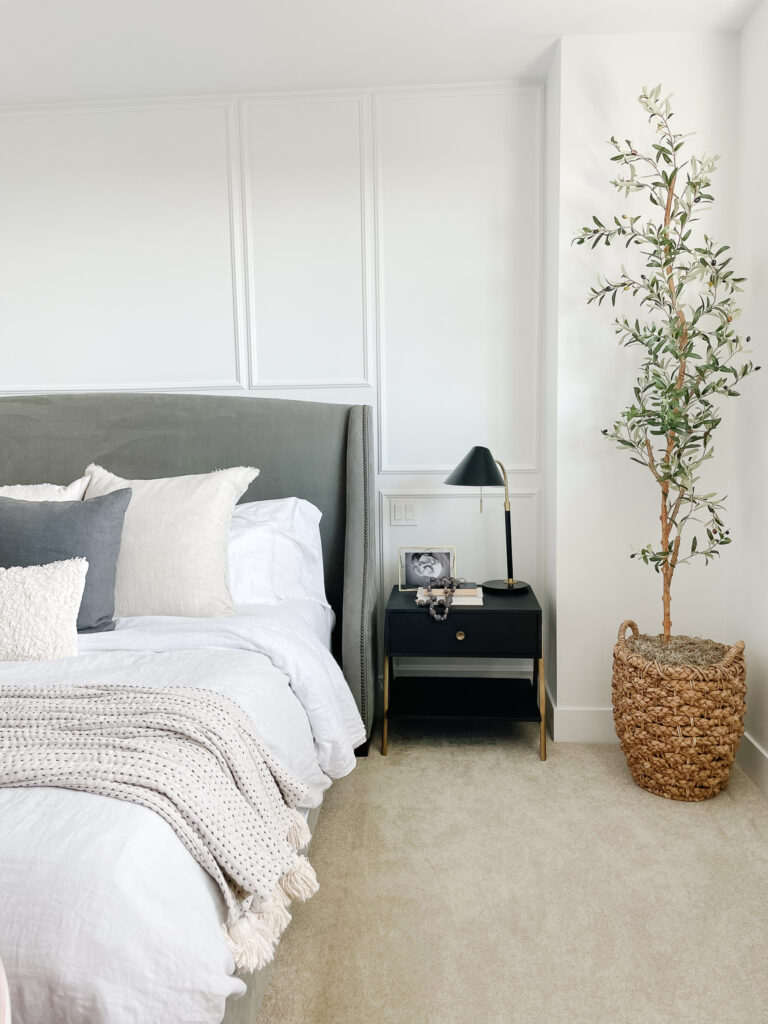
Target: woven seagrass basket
x=679, y=725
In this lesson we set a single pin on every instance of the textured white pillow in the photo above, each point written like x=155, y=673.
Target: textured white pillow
x=173, y=555
x=275, y=553
x=47, y=492
x=38, y=610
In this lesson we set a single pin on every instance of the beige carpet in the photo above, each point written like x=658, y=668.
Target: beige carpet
x=464, y=881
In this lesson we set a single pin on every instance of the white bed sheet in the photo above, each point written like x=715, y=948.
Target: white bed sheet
x=319, y=617
x=104, y=915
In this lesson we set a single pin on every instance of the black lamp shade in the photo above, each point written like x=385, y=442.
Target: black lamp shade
x=476, y=469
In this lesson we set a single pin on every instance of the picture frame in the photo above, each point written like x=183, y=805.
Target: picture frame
x=415, y=562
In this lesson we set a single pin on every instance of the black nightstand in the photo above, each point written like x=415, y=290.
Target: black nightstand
x=504, y=626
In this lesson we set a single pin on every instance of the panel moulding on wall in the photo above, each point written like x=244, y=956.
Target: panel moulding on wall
x=100, y=178
x=457, y=292
x=233, y=340
x=308, y=227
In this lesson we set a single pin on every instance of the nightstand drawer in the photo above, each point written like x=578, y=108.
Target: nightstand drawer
x=497, y=634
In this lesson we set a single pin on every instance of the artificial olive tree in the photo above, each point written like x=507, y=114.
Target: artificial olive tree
x=691, y=355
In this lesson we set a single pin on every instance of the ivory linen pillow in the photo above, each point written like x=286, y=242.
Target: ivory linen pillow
x=173, y=557
x=46, y=492
x=38, y=610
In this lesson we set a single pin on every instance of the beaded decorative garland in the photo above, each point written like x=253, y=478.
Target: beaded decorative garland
x=439, y=604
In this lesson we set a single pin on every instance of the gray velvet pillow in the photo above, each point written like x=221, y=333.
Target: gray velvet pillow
x=39, y=532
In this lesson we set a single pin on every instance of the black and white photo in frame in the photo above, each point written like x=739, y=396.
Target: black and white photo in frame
x=419, y=566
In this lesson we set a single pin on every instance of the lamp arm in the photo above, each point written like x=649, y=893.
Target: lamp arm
x=507, y=523
x=506, y=483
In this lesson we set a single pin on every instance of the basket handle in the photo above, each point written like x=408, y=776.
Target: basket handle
x=627, y=624
x=734, y=652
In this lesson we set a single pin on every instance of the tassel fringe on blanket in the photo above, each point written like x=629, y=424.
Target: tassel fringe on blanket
x=193, y=757
x=252, y=937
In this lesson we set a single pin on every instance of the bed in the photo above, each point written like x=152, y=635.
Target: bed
x=153, y=952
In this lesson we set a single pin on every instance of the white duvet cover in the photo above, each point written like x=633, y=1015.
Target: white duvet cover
x=105, y=918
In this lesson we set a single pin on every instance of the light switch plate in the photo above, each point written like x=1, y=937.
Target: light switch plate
x=403, y=513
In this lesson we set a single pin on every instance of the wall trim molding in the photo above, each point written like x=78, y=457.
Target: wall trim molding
x=513, y=469
x=130, y=105
x=288, y=95
x=281, y=385
x=362, y=100
x=194, y=386
x=753, y=758
x=137, y=106
x=237, y=246
x=456, y=90
x=541, y=284
x=234, y=105
x=595, y=725
x=583, y=724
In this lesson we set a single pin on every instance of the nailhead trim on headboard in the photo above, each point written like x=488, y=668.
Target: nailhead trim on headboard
x=364, y=604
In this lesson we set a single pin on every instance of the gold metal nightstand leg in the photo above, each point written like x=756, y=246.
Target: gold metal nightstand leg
x=386, y=707
x=543, y=712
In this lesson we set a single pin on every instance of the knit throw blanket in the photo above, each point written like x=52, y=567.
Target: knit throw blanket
x=193, y=757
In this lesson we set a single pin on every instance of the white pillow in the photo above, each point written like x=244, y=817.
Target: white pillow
x=38, y=610
x=47, y=492
x=275, y=553
x=173, y=556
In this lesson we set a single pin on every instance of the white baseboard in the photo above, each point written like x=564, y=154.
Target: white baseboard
x=753, y=758
x=565, y=724
x=583, y=725
x=595, y=725
x=576, y=724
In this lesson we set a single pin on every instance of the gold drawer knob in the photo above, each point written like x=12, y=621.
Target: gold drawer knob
x=460, y=634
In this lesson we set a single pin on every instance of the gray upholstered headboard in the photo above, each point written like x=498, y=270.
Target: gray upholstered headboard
x=314, y=450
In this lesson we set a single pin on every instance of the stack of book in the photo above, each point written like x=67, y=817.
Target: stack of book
x=467, y=595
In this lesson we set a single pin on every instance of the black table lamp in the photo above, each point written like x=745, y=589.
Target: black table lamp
x=478, y=468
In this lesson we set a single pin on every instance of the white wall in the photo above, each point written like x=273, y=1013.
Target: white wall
x=458, y=175
x=304, y=174
x=747, y=613
x=116, y=255
x=384, y=246
x=552, y=159
x=605, y=503
x=378, y=246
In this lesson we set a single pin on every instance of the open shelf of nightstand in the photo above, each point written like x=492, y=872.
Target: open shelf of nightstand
x=465, y=697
